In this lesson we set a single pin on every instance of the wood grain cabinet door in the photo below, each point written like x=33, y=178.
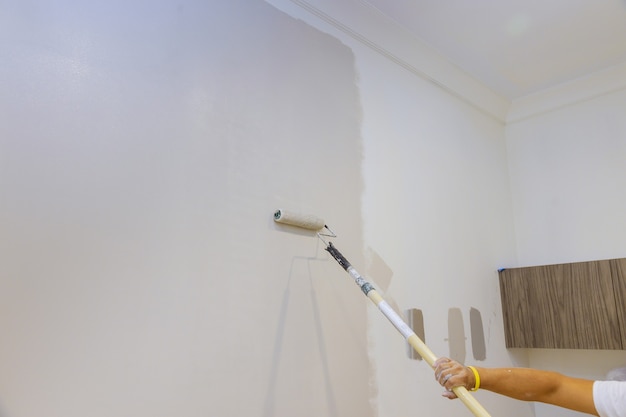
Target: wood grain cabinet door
x=564, y=306
x=618, y=272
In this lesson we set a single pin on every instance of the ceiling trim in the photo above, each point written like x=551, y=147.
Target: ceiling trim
x=583, y=89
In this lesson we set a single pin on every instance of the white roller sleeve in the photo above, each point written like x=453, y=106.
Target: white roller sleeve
x=306, y=221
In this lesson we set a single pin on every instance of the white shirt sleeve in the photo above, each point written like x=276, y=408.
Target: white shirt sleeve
x=609, y=398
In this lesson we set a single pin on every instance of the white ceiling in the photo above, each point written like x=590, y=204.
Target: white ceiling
x=518, y=47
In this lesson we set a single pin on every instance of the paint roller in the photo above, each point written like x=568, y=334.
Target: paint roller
x=318, y=225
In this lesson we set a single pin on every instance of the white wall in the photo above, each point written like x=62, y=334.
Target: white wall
x=567, y=176
x=144, y=148
x=568, y=179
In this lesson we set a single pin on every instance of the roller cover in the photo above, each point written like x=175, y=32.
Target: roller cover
x=299, y=220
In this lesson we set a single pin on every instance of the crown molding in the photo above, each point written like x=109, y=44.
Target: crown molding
x=580, y=90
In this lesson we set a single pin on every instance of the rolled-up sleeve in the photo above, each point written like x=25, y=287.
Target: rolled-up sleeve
x=609, y=398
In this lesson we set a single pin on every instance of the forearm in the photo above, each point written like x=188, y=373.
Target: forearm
x=542, y=386
x=520, y=383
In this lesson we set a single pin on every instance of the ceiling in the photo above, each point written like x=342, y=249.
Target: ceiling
x=518, y=47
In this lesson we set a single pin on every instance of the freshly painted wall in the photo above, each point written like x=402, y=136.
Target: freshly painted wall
x=144, y=148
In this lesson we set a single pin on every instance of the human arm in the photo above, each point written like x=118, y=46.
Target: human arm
x=519, y=383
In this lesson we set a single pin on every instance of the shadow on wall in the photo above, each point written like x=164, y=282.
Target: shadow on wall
x=269, y=409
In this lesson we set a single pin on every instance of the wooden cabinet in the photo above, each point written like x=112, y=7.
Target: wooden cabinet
x=618, y=272
x=566, y=306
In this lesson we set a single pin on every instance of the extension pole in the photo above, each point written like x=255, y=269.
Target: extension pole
x=408, y=333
